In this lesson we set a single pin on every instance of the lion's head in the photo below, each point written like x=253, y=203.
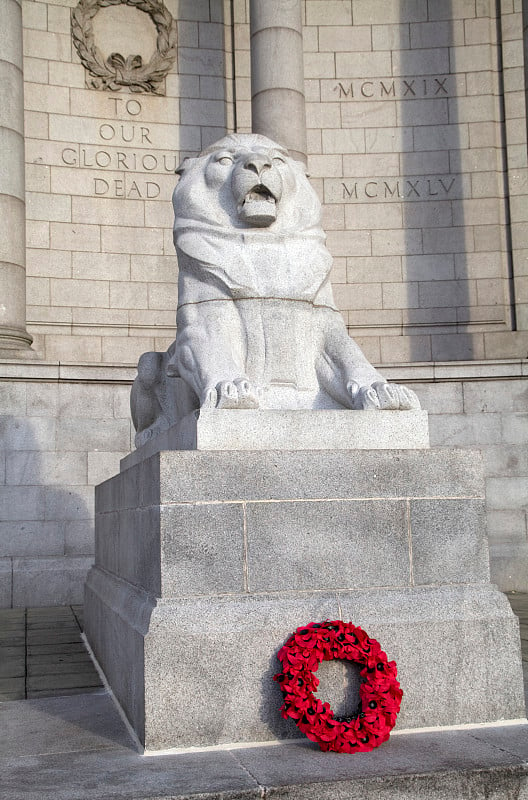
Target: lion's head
x=245, y=181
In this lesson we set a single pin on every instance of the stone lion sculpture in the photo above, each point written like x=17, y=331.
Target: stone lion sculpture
x=257, y=326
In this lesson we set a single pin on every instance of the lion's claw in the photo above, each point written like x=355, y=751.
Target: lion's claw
x=232, y=394
x=382, y=396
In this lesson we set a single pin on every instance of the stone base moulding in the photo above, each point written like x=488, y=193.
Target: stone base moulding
x=207, y=561
x=198, y=671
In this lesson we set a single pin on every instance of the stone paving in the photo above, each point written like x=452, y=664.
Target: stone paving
x=42, y=653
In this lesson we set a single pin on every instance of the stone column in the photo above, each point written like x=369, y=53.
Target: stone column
x=14, y=339
x=277, y=73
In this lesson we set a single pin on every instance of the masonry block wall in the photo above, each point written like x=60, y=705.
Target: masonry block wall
x=416, y=116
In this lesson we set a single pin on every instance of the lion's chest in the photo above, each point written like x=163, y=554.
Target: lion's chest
x=293, y=269
x=251, y=265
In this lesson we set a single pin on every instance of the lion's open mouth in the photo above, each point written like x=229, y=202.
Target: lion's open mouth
x=258, y=194
x=258, y=208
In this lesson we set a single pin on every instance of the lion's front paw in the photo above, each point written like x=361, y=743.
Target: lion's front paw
x=382, y=396
x=232, y=394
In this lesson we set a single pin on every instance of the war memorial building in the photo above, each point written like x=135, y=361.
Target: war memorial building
x=411, y=115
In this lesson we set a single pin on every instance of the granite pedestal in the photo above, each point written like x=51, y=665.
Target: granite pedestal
x=206, y=561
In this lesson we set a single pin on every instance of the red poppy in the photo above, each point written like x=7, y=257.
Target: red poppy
x=380, y=693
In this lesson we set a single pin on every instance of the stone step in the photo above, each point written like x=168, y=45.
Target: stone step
x=76, y=748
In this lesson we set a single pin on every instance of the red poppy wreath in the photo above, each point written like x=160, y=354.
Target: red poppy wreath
x=380, y=694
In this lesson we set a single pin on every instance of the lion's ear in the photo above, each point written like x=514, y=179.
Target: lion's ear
x=301, y=165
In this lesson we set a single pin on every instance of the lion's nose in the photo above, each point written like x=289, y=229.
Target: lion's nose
x=257, y=163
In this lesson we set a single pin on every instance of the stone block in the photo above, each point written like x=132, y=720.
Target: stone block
x=27, y=433
x=66, y=503
x=37, y=175
x=102, y=211
x=12, y=398
x=35, y=125
x=400, y=295
x=348, y=38
x=448, y=541
x=389, y=140
x=79, y=537
x=507, y=492
x=323, y=115
x=398, y=349
x=441, y=398
x=326, y=545
x=368, y=115
x=152, y=268
x=460, y=9
x=49, y=581
x=47, y=98
x=358, y=297
x=86, y=103
x=429, y=267
x=506, y=528
x=328, y=12
x=441, y=137
x=77, y=434
x=460, y=239
x=343, y=141
x=427, y=214
x=461, y=347
x=87, y=293
x=497, y=396
x=474, y=109
x=374, y=12
x=430, y=34
x=390, y=37
x=377, y=216
x=6, y=583
x=209, y=476
x=425, y=163
x=430, y=61
x=59, y=19
x=102, y=465
x=79, y=348
x=396, y=242
x=422, y=112
x=34, y=468
x=47, y=45
x=202, y=549
x=194, y=61
x=462, y=430
x=378, y=269
x=29, y=538
x=78, y=236
x=132, y=240
x=509, y=459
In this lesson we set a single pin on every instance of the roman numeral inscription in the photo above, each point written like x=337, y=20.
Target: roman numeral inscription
x=401, y=189
x=393, y=88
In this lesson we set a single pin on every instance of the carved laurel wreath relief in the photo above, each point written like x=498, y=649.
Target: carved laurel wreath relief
x=118, y=71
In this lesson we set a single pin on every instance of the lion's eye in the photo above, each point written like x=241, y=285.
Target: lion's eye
x=278, y=160
x=225, y=160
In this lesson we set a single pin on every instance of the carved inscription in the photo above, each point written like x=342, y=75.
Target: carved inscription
x=113, y=156
x=400, y=189
x=393, y=88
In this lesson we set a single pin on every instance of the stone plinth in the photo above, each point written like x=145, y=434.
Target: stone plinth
x=302, y=429
x=207, y=561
